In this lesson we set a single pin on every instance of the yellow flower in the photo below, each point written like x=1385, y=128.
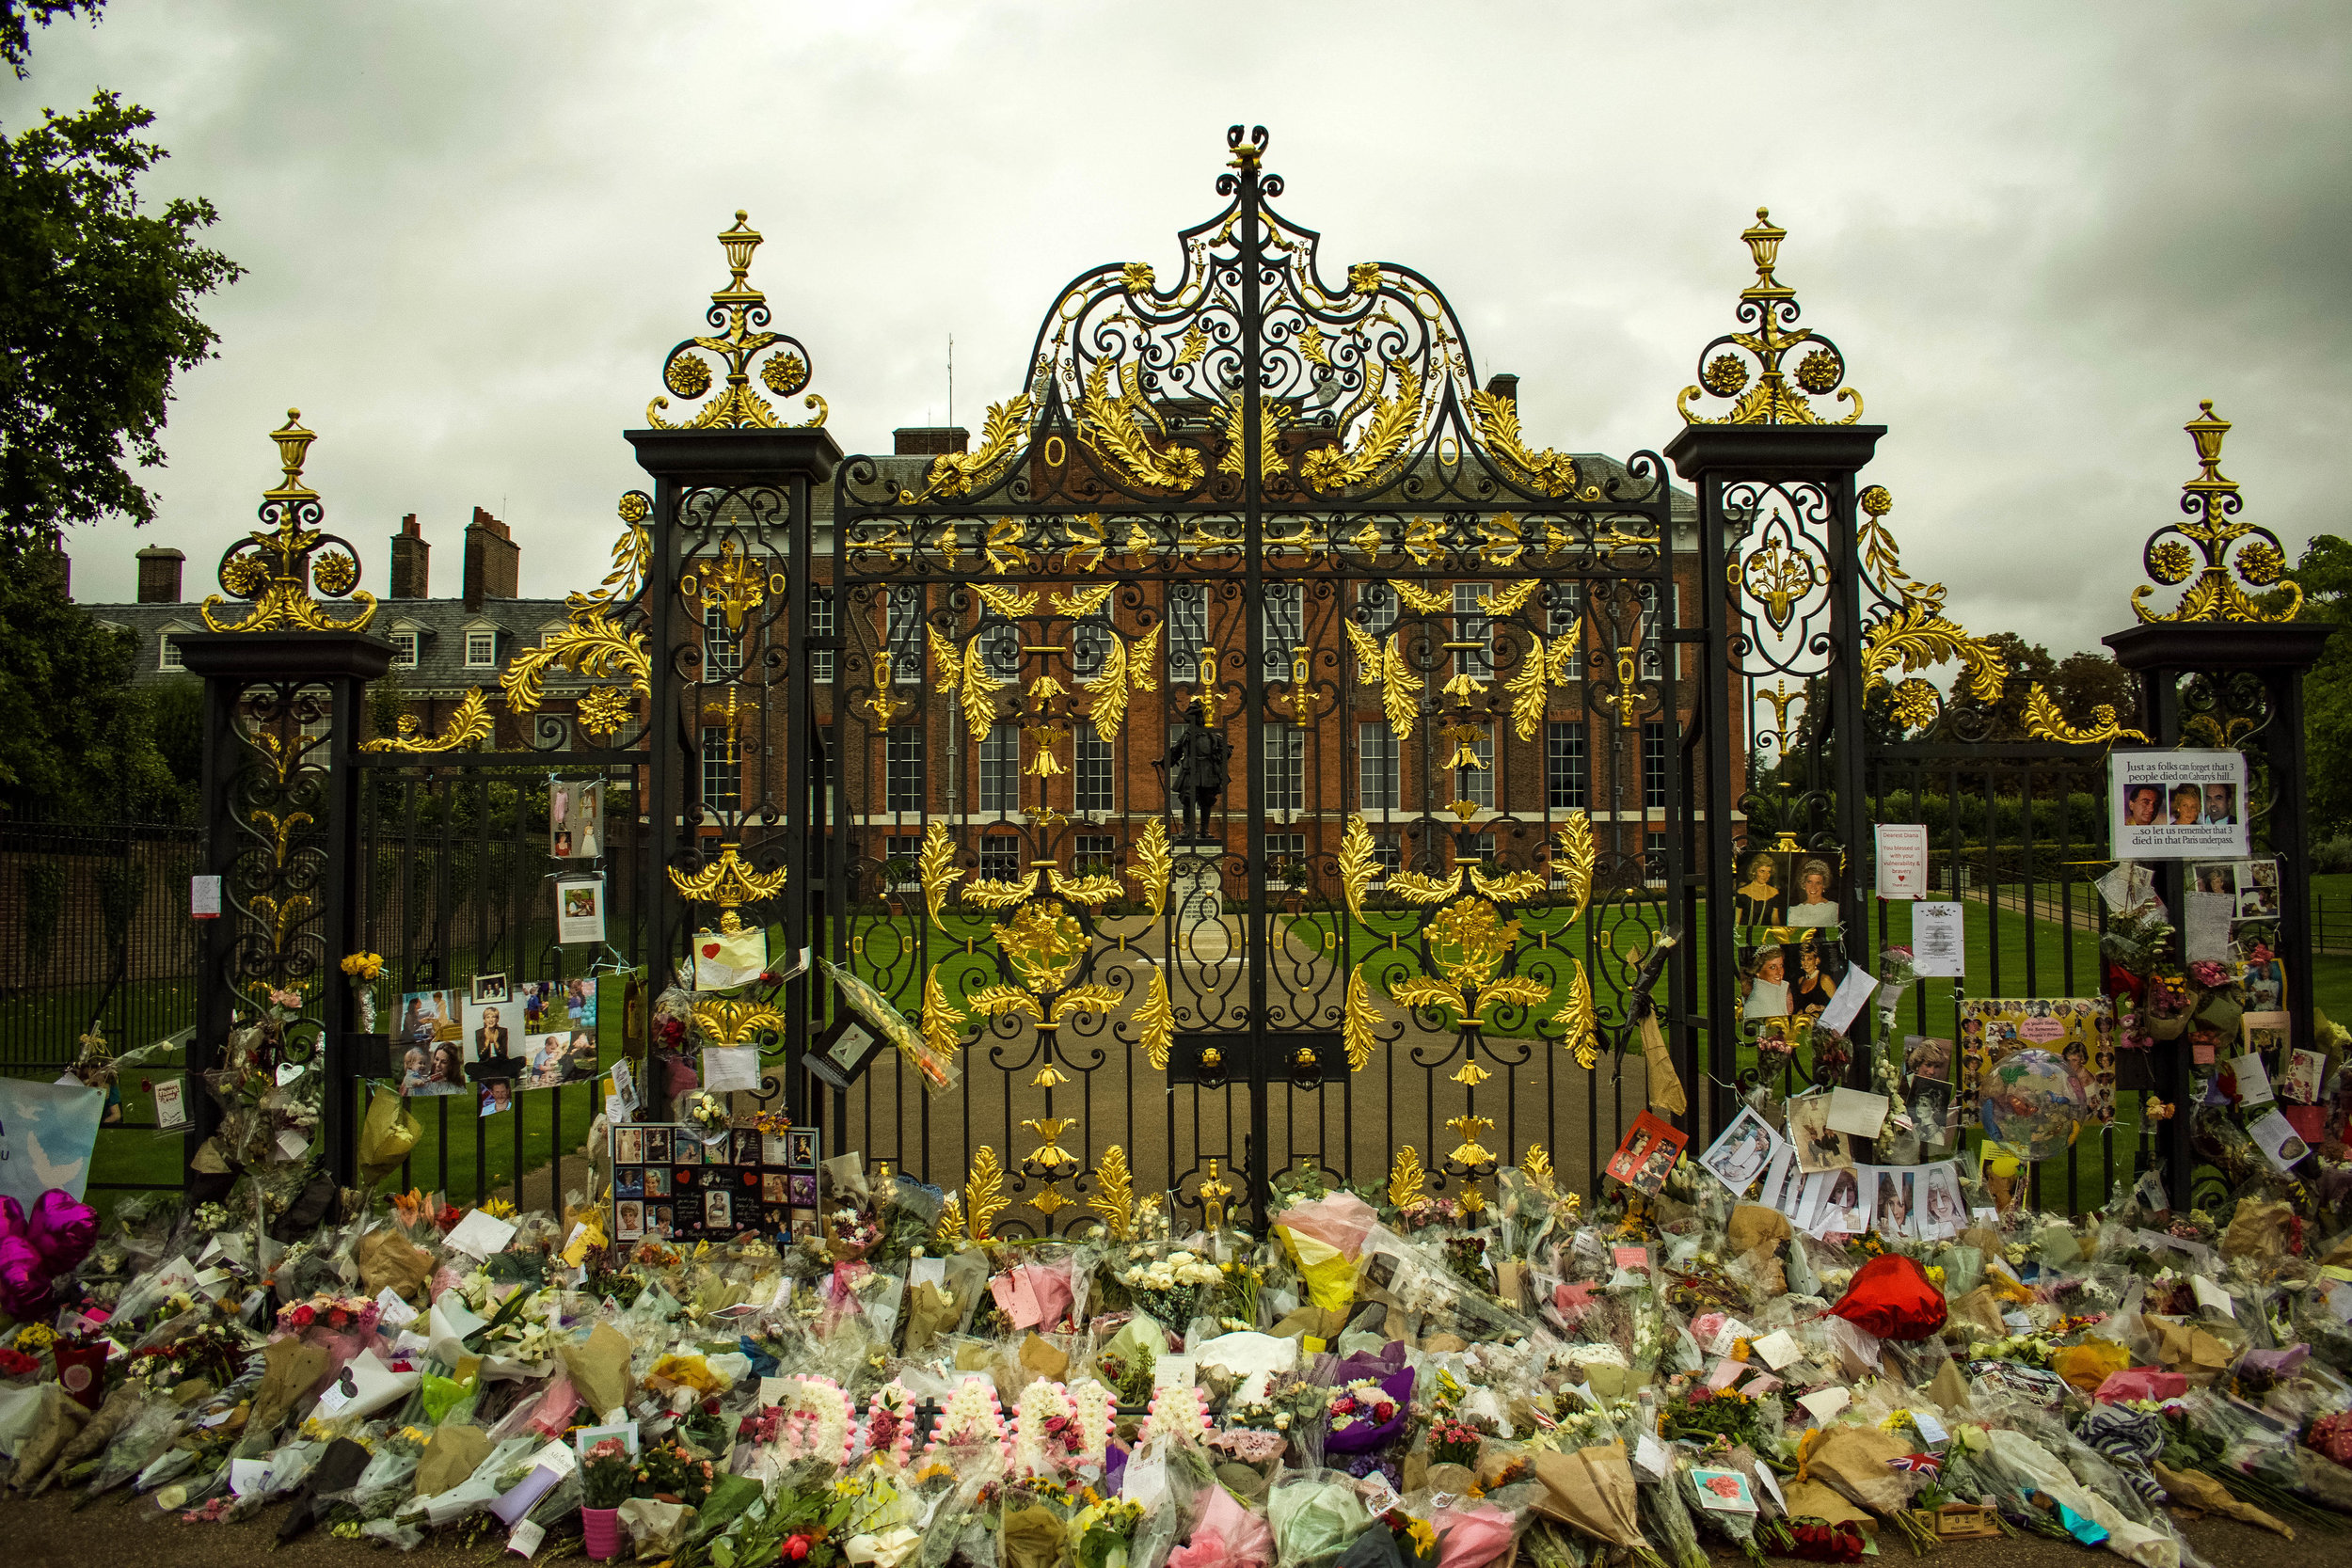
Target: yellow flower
x=1425, y=1535
x=35, y=1337
x=498, y=1207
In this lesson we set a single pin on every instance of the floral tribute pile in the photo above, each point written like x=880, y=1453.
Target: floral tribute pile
x=1496, y=1373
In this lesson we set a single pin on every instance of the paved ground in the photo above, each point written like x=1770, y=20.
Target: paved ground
x=43, y=1533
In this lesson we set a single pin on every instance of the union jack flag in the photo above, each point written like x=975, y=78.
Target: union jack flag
x=1926, y=1463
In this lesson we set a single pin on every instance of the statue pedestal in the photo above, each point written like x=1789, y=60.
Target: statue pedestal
x=1206, y=934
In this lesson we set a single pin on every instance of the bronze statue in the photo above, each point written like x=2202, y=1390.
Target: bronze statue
x=1196, y=764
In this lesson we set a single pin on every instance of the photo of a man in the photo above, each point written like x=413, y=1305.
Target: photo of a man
x=2140, y=804
x=2220, y=804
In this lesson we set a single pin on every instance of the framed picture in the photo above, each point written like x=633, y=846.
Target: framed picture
x=802, y=1146
x=1650, y=1148
x=843, y=1052
x=1744, y=1153
x=488, y=989
x=628, y=1219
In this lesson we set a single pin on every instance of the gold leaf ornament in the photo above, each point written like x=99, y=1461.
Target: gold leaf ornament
x=1155, y=863
x=1406, y=1178
x=1156, y=1021
x=469, y=723
x=1359, y=865
x=943, y=1025
x=1383, y=438
x=936, y=867
x=1359, y=1025
x=983, y=1192
x=1576, y=1020
x=1114, y=1197
x=1572, y=859
x=1551, y=472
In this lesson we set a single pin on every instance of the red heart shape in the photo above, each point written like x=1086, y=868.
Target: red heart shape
x=710, y=949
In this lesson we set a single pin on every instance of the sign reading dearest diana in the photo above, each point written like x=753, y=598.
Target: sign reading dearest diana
x=2177, y=805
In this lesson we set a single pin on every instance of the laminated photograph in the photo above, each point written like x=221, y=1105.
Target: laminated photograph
x=2176, y=804
x=1745, y=1151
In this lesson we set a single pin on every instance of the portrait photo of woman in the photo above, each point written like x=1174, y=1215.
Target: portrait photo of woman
x=1894, y=1207
x=1760, y=900
x=1816, y=904
x=1810, y=995
x=1940, y=1201
x=1843, y=1206
x=449, y=1069
x=1768, y=988
x=2188, y=805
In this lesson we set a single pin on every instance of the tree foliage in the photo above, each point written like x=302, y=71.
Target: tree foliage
x=17, y=18
x=2325, y=573
x=97, y=312
x=79, y=739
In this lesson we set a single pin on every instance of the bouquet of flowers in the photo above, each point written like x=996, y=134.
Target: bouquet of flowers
x=212, y=1352
x=1169, y=1287
x=707, y=1112
x=1898, y=971
x=1454, y=1441
x=668, y=1471
x=607, y=1475
x=1101, y=1533
x=1702, y=1413
x=1368, y=1412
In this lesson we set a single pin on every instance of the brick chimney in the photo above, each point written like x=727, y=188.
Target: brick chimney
x=159, y=574
x=930, y=440
x=493, y=560
x=411, y=561
x=1504, y=387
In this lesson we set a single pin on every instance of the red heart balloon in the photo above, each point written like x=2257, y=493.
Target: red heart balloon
x=710, y=950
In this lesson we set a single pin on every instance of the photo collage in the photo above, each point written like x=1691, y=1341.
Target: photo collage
x=576, y=834
x=1790, y=955
x=671, y=1184
x=493, y=1038
x=1810, y=1177
x=2231, y=916
x=2078, y=1030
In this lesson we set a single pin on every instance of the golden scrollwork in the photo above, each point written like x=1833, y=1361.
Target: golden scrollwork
x=1383, y=438
x=942, y=1022
x=1530, y=686
x=280, y=594
x=470, y=723
x=967, y=473
x=631, y=553
x=1155, y=863
x=1404, y=1178
x=2044, y=722
x=784, y=374
x=593, y=645
x=1772, y=400
x=728, y=882
x=735, y=586
x=1627, y=698
x=1778, y=575
x=886, y=707
x=1043, y=942
x=1553, y=473
x=1400, y=688
x=1572, y=860
x=2212, y=503
x=1467, y=941
x=1120, y=428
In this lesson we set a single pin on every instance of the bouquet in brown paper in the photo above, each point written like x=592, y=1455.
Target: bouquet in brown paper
x=1592, y=1490
x=1855, y=1462
x=388, y=1260
x=291, y=1369
x=599, y=1369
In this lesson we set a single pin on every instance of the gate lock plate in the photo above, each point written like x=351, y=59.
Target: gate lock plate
x=1213, y=1058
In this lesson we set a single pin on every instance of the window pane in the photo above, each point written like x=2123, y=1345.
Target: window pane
x=723, y=771
x=480, y=648
x=1654, y=765
x=724, y=651
x=906, y=635
x=1285, y=769
x=1188, y=630
x=1000, y=768
x=1563, y=605
x=1563, y=764
x=1095, y=852
x=1000, y=857
x=905, y=768
x=820, y=623
x=1377, y=766
x=1285, y=626
x=1471, y=626
x=1092, y=783
x=170, y=658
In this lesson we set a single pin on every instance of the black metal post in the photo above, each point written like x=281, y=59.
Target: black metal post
x=1253, y=644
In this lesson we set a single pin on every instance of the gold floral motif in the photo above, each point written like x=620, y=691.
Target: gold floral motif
x=1576, y=1020
x=1778, y=575
x=1470, y=1152
x=593, y=645
x=949, y=1228
x=470, y=723
x=724, y=1023
x=1469, y=1075
x=943, y=1025
x=1425, y=601
x=687, y=376
x=282, y=595
x=936, y=865
x=1359, y=865
x=967, y=473
x=728, y=882
x=1773, y=399
x=1154, y=863
x=967, y=672
x=1400, y=688
x=1049, y=1152
x=2211, y=501
x=1114, y=1197
x=1083, y=999
x=1156, y=1021
x=1270, y=460
x=983, y=1191
x=1042, y=943
x=1358, y=1025
x=603, y=711
x=1404, y=1178
x=1052, y=1200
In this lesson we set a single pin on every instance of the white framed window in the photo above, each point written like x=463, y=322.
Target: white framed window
x=723, y=769
x=1188, y=630
x=1000, y=650
x=820, y=623
x=1477, y=784
x=482, y=649
x=167, y=656
x=1095, y=852
x=1476, y=847
x=906, y=635
x=1379, y=774
x=722, y=651
x=1000, y=768
x=1653, y=648
x=1564, y=605
x=1286, y=849
x=1376, y=608
x=1000, y=857
x=1654, y=765
x=902, y=768
x=902, y=850
x=1387, y=853
x=404, y=644
x=1565, y=765
x=1285, y=768
x=1285, y=608
x=1471, y=625
x=1091, y=776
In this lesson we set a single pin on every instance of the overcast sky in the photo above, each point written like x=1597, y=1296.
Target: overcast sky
x=2040, y=232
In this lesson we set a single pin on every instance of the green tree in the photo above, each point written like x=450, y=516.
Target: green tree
x=2325, y=573
x=79, y=739
x=16, y=40
x=97, y=312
